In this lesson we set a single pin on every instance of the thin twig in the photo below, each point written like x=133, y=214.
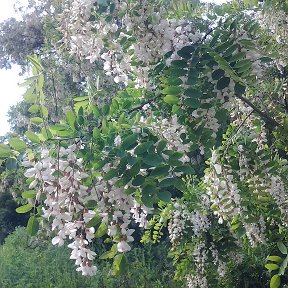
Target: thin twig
x=265, y=116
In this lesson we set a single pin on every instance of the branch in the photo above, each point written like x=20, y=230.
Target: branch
x=262, y=114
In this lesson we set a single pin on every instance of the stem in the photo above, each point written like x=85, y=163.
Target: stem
x=262, y=114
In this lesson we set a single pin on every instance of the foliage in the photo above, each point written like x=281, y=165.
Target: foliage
x=24, y=259
x=191, y=145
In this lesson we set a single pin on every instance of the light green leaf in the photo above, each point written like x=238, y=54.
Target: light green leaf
x=36, y=120
x=5, y=151
x=282, y=248
x=32, y=137
x=272, y=266
x=275, y=281
x=24, y=209
x=29, y=194
x=101, y=231
x=32, y=226
x=17, y=144
x=109, y=254
x=171, y=99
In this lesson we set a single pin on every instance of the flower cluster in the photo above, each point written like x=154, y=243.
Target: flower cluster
x=223, y=191
x=60, y=178
x=61, y=182
x=142, y=37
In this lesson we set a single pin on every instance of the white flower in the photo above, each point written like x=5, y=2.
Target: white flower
x=123, y=247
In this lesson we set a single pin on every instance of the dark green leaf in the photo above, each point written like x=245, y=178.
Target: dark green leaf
x=152, y=160
x=167, y=182
x=223, y=83
x=192, y=103
x=217, y=74
x=192, y=92
x=129, y=141
x=11, y=163
x=164, y=196
x=143, y=147
x=187, y=169
x=138, y=180
x=179, y=63
x=160, y=171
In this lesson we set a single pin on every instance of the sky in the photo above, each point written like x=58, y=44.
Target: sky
x=10, y=92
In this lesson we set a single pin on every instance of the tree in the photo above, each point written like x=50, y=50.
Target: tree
x=193, y=143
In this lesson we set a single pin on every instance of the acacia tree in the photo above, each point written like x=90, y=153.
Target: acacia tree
x=195, y=141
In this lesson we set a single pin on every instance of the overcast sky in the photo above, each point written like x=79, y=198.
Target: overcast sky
x=10, y=93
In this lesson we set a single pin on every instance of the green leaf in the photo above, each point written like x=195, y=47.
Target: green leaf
x=282, y=248
x=239, y=89
x=32, y=226
x=143, y=147
x=161, y=146
x=105, y=109
x=272, y=266
x=119, y=264
x=5, y=151
x=274, y=258
x=161, y=171
x=152, y=160
x=129, y=141
x=110, y=174
x=138, y=180
x=17, y=144
x=101, y=231
x=164, y=196
x=32, y=137
x=275, y=281
x=187, y=169
x=34, y=108
x=45, y=134
x=224, y=65
x=179, y=63
x=44, y=111
x=171, y=99
x=192, y=92
x=24, y=209
x=171, y=90
x=186, y=52
x=71, y=118
x=167, y=182
x=192, y=103
x=223, y=83
x=109, y=254
x=29, y=194
x=11, y=163
x=217, y=74
x=94, y=221
x=36, y=120
x=81, y=98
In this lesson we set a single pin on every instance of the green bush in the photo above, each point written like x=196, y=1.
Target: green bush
x=30, y=263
